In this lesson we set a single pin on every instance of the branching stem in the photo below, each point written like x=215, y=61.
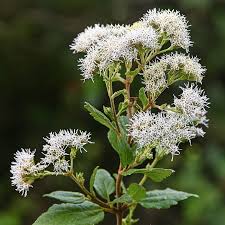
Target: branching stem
x=92, y=197
x=144, y=178
x=132, y=207
x=112, y=103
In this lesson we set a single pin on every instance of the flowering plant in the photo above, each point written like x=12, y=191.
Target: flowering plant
x=140, y=130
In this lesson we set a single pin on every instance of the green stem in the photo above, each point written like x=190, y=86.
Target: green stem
x=72, y=157
x=112, y=103
x=166, y=50
x=130, y=105
x=144, y=178
x=127, y=86
x=132, y=207
x=92, y=197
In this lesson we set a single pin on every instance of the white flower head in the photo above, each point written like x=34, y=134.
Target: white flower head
x=61, y=166
x=162, y=131
x=169, y=68
x=103, y=46
x=154, y=79
x=93, y=35
x=88, y=64
x=146, y=36
x=88, y=38
x=115, y=49
x=57, y=144
x=171, y=23
x=24, y=170
x=189, y=65
x=193, y=103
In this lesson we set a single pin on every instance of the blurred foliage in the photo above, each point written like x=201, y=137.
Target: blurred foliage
x=41, y=92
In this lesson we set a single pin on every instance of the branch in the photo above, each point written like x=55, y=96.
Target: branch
x=112, y=103
x=92, y=197
x=144, y=178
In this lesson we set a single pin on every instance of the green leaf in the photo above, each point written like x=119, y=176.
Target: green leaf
x=133, y=73
x=159, y=174
x=118, y=93
x=143, y=97
x=104, y=183
x=98, y=115
x=136, y=192
x=156, y=174
x=86, y=213
x=120, y=144
x=125, y=198
x=92, y=179
x=163, y=199
x=123, y=120
x=108, y=112
x=67, y=196
x=122, y=107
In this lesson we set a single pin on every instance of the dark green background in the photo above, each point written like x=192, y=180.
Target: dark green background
x=41, y=91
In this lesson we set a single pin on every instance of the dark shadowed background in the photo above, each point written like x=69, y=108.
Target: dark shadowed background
x=41, y=91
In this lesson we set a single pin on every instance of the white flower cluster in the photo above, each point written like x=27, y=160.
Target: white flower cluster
x=188, y=65
x=193, y=103
x=25, y=171
x=104, y=45
x=141, y=35
x=172, y=24
x=167, y=129
x=163, y=131
x=93, y=35
x=170, y=68
x=154, y=79
x=57, y=144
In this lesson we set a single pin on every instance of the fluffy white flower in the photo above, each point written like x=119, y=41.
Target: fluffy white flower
x=88, y=64
x=88, y=38
x=163, y=131
x=24, y=170
x=115, y=49
x=104, y=45
x=189, y=65
x=68, y=138
x=98, y=58
x=193, y=103
x=93, y=35
x=172, y=23
x=57, y=144
x=139, y=34
x=61, y=166
x=154, y=79
x=169, y=68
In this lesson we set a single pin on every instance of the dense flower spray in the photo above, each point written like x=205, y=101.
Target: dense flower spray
x=56, y=152
x=143, y=127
